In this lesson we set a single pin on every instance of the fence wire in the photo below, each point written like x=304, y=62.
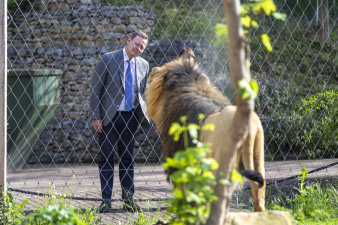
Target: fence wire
x=53, y=46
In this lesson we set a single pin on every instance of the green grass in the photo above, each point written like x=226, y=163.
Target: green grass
x=316, y=205
x=148, y=218
x=312, y=203
x=55, y=211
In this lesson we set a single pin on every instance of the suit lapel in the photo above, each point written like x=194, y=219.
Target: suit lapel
x=137, y=72
x=120, y=65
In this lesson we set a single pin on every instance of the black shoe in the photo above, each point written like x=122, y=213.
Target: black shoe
x=130, y=206
x=104, y=207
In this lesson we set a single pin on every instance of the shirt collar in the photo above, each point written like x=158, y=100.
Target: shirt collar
x=125, y=56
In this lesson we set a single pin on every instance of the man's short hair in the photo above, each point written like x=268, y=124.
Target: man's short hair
x=138, y=33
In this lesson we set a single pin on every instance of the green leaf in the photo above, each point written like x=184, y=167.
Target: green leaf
x=169, y=163
x=192, y=197
x=183, y=119
x=236, y=177
x=208, y=126
x=279, y=16
x=266, y=42
x=193, y=130
x=177, y=223
x=268, y=6
x=243, y=9
x=221, y=34
x=244, y=89
x=213, y=164
x=201, y=116
x=248, y=89
x=254, y=86
x=246, y=21
x=224, y=181
x=178, y=193
x=208, y=175
x=248, y=63
x=176, y=137
x=175, y=127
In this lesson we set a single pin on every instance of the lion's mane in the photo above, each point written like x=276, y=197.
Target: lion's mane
x=176, y=89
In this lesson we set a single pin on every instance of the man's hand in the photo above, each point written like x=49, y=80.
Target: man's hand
x=97, y=125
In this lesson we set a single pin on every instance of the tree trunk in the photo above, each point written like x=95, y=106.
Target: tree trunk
x=324, y=21
x=238, y=70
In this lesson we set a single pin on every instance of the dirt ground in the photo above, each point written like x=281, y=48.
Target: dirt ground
x=151, y=188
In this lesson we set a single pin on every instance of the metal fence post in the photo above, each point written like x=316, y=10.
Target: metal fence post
x=324, y=21
x=3, y=95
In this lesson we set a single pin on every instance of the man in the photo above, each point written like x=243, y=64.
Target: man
x=118, y=105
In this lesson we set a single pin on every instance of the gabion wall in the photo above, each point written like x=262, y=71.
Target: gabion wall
x=73, y=41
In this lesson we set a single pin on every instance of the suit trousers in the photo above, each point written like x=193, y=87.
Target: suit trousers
x=119, y=133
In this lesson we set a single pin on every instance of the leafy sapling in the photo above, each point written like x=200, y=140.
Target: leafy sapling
x=193, y=178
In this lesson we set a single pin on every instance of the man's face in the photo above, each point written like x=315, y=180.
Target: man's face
x=135, y=46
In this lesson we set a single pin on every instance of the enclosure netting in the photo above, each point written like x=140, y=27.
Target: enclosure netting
x=53, y=47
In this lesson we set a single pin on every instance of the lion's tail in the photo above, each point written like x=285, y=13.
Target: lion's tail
x=254, y=176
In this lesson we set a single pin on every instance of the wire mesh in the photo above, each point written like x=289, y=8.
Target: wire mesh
x=53, y=46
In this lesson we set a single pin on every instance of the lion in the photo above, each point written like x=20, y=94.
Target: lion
x=180, y=88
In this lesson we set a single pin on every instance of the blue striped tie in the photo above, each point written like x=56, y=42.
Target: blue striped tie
x=129, y=94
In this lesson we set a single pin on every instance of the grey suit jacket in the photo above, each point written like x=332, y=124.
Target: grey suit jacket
x=108, y=83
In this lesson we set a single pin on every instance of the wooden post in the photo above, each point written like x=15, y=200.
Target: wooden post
x=324, y=21
x=3, y=96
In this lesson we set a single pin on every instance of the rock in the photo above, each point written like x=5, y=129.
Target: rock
x=260, y=218
x=161, y=222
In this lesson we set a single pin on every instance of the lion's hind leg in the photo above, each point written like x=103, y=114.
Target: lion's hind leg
x=258, y=158
x=249, y=162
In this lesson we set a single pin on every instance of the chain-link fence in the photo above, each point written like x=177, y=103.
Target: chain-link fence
x=54, y=45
